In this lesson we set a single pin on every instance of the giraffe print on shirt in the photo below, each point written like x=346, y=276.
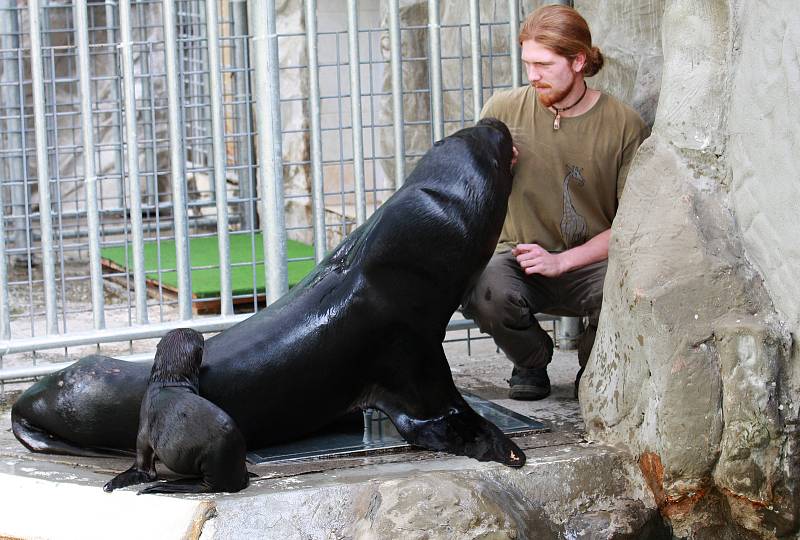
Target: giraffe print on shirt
x=573, y=225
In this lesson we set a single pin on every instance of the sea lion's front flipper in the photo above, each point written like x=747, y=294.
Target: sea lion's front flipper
x=461, y=431
x=131, y=477
x=428, y=411
x=143, y=469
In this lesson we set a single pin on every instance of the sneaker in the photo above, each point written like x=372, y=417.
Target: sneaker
x=529, y=384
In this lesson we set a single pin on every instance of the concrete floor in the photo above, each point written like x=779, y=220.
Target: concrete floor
x=569, y=488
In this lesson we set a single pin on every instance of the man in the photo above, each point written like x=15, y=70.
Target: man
x=575, y=145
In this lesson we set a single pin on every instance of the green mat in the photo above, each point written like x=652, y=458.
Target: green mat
x=204, y=252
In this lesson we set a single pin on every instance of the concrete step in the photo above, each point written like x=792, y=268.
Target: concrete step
x=567, y=489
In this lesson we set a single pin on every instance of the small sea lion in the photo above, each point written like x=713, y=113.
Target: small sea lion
x=188, y=433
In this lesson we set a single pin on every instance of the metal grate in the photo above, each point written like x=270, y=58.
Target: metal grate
x=373, y=433
x=167, y=169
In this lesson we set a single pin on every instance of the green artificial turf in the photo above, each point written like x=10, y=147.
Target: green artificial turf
x=204, y=252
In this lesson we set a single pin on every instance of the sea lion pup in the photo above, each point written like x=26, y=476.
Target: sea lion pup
x=188, y=433
x=363, y=330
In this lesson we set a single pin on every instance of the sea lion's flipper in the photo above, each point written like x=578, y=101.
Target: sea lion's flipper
x=131, y=477
x=143, y=469
x=38, y=440
x=428, y=411
x=182, y=485
x=461, y=431
x=192, y=485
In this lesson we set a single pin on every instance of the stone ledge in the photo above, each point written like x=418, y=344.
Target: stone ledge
x=565, y=487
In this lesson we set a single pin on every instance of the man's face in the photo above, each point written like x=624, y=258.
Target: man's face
x=552, y=75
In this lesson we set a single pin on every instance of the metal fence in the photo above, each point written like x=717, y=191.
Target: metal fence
x=223, y=122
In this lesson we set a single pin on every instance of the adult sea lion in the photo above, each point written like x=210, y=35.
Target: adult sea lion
x=188, y=433
x=363, y=329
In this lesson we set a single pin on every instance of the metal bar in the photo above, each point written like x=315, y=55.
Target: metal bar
x=317, y=181
x=243, y=119
x=10, y=99
x=134, y=185
x=218, y=148
x=513, y=45
x=435, y=70
x=5, y=309
x=342, y=221
x=372, y=93
x=115, y=97
x=119, y=212
x=42, y=167
x=20, y=198
x=58, y=152
x=462, y=108
x=270, y=147
x=570, y=330
x=81, y=22
x=155, y=330
x=396, y=44
x=112, y=335
x=477, y=67
x=355, y=112
x=21, y=374
x=125, y=229
x=177, y=163
x=150, y=148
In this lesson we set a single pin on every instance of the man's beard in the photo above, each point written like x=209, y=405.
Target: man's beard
x=554, y=97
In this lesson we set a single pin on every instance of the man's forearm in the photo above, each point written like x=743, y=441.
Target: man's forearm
x=595, y=250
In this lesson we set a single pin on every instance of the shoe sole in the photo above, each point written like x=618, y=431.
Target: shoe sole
x=522, y=392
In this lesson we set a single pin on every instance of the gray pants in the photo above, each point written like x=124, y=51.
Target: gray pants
x=504, y=301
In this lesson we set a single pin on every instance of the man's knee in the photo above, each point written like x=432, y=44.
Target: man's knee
x=499, y=298
x=490, y=306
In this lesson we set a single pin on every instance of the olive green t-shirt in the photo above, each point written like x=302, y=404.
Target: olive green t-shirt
x=567, y=182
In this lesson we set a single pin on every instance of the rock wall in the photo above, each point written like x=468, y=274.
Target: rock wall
x=694, y=368
x=629, y=36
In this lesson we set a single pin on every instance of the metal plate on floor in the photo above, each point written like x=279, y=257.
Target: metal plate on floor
x=372, y=433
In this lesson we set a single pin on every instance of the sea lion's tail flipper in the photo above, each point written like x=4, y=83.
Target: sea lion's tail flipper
x=189, y=485
x=39, y=440
x=183, y=485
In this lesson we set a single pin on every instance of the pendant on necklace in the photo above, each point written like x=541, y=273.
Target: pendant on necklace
x=557, y=121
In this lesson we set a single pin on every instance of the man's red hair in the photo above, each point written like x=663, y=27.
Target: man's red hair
x=565, y=32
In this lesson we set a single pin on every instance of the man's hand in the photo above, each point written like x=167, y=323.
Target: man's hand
x=534, y=259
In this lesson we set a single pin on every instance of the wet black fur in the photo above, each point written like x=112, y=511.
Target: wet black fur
x=364, y=329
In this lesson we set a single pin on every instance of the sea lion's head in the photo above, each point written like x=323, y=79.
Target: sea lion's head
x=178, y=357
x=500, y=139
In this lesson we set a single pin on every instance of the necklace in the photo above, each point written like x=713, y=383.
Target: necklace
x=557, y=121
